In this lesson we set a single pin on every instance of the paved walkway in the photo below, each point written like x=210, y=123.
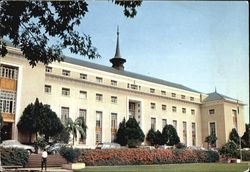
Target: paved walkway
x=49, y=169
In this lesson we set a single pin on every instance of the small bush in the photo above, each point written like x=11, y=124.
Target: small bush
x=229, y=149
x=245, y=155
x=70, y=154
x=180, y=146
x=14, y=156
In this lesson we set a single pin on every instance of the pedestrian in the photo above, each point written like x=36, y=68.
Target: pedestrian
x=44, y=160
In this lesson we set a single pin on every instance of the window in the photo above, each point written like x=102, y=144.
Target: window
x=183, y=110
x=193, y=134
x=47, y=88
x=131, y=109
x=192, y=111
x=211, y=111
x=113, y=99
x=212, y=131
x=174, y=109
x=234, y=114
x=83, y=76
x=152, y=90
x=65, y=91
x=99, y=79
x=83, y=95
x=153, y=123
x=173, y=95
x=164, y=122
x=83, y=113
x=134, y=87
x=184, y=132
x=66, y=72
x=163, y=93
x=191, y=98
x=7, y=101
x=175, y=124
x=99, y=97
x=163, y=107
x=98, y=127
x=64, y=115
x=152, y=105
x=113, y=126
x=48, y=69
x=183, y=97
x=113, y=83
x=8, y=72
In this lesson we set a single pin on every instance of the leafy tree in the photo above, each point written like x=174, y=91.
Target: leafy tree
x=77, y=126
x=151, y=137
x=211, y=140
x=31, y=24
x=170, y=136
x=121, y=134
x=134, y=133
x=229, y=149
x=63, y=136
x=234, y=136
x=245, y=139
x=158, y=138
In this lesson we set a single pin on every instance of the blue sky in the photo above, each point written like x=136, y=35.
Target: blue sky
x=201, y=45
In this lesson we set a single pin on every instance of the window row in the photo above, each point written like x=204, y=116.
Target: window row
x=174, y=108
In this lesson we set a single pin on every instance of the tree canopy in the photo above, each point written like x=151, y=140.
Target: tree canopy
x=246, y=137
x=30, y=25
x=170, y=136
x=121, y=134
x=234, y=136
x=211, y=140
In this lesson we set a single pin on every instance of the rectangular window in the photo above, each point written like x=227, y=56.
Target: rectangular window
x=113, y=83
x=134, y=87
x=173, y=95
x=83, y=76
x=193, y=134
x=152, y=90
x=83, y=95
x=113, y=126
x=163, y=107
x=8, y=72
x=48, y=69
x=7, y=102
x=83, y=113
x=163, y=93
x=184, y=132
x=164, y=123
x=47, y=88
x=183, y=97
x=211, y=111
x=99, y=79
x=153, y=123
x=113, y=99
x=66, y=72
x=175, y=124
x=98, y=127
x=212, y=131
x=152, y=105
x=64, y=115
x=234, y=114
x=174, y=109
x=131, y=109
x=99, y=97
x=65, y=91
x=183, y=110
x=191, y=98
x=192, y=111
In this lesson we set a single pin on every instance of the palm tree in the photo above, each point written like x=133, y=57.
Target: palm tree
x=77, y=126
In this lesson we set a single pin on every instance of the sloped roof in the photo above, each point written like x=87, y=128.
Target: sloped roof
x=126, y=73
x=217, y=96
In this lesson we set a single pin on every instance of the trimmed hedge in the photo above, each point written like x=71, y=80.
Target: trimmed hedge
x=145, y=157
x=69, y=153
x=14, y=156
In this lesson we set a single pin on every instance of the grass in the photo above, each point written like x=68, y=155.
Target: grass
x=199, y=167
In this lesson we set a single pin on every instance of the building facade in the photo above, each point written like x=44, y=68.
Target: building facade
x=105, y=95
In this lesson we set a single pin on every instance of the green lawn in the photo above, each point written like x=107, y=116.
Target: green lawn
x=206, y=167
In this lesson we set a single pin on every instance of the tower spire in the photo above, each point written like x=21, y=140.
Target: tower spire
x=117, y=61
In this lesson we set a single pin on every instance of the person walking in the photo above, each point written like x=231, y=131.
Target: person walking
x=44, y=160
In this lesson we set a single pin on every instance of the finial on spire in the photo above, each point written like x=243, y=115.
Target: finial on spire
x=117, y=52
x=118, y=30
x=215, y=90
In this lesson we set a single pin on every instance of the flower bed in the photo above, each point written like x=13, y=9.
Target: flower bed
x=145, y=157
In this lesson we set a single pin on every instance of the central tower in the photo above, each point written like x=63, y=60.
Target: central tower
x=117, y=61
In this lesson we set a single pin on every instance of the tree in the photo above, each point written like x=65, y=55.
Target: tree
x=31, y=24
x=121, y=134
x=158, y=138
x=62, y=137
x=134, y=133
x=211, y=140
x=77, y=126
x=245, y=139
x=234, y=136
x=151, y=136
x=229, y=149
x=170, y=136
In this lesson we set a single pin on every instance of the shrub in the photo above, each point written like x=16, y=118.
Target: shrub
x=170, y=136
x=14, y=156
x=145, y=157
x=229, y=149
x=69, y=153
x=180, y=145
x=245, y=155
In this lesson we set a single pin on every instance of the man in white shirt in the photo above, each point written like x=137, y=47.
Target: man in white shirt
x=44, y=159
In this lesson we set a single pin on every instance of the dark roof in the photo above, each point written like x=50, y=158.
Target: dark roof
x=216, y=96
x=126, y=73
